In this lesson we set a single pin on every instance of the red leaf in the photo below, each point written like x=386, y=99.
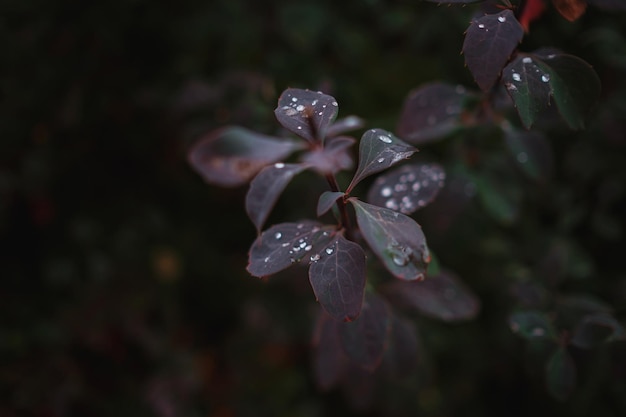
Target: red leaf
x=570, y=9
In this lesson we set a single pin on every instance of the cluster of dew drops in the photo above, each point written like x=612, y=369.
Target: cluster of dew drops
x=294, y=108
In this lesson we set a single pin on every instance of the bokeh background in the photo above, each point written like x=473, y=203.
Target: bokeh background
x=123, y=288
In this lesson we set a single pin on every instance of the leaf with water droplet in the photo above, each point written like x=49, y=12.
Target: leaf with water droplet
x=338, y=279
x=431, y=112
x=344, y=125
x=327, y=200
x=407, y=188
x=532, y=153
x=561, y=374
x=363, y=340
x=231, y=156
x=284, y=244
x=532, y=325
x=489, y=42
x=333, y=157
x=395, y=238
x=306, y=113
x=596, y=329
x=265, y=189
x=328, y=358
x=444, y=297
x=522, y=78
x=378, y=150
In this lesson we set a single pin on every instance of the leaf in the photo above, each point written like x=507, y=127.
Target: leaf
x=489, y=42
x=363, y=340
x=344, y=125
x=528, y=85
x=327, y=200
x=570, y=9
x=532, y=152
x=306, y=113
x=395, y=238
x=561, y=374
x=333, y=157
x=231, y=156
x=596, y=329
x=431, y=112
x=532, y=325
x=265, y=189
x=284, y=244
x=329, y=359
x=337, y=275
x=574, y=85
x=444, y=297
x=407, y=188
x=401, y=356
x=499, y=196
x=378, y=151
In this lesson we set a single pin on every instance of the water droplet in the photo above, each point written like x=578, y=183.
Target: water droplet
x=334, y=103
x=315, y=258
x=290, y=112
x=278, y=235
x=299, y=128
x=303, y=245
x=294, y=99
x=511, y=87
x=385, y=192
x=516, y=77
x=527, y=60
x=416, y=187
x=300, y=226
x=284, y=245
x=400, y=255
x=501, y=19
x=538, y=331
x=522, y=157
x=400, y=187
x=481, y=26
x=279, y=165
x=384, y=138
x=308, y=248
x=300, y=107
x=391, y=204
x=381, y=160
x=545, y=78
x=329, y=251
x=267, y=259
x=314, y=102
x=551, y=56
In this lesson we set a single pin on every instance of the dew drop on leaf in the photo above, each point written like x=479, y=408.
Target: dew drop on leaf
x=315, y=258
x=501, y=19
x=329, y=251
x=279, y=165
x=384, y=138
x=517, y=77
x=527, y=60
x=545, y=78
x=278, y=235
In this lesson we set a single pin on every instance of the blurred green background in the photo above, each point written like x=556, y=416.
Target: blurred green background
x=124, y=290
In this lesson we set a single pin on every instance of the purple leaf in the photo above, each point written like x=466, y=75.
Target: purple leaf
x=364, y=339
x=284, y=244
x=395, y=238
x=333, y=157
x=489, y=42
x=596, y=329
x=306, y=113
x=378, y=151
x=329, y=360
x=345, y=125
x=265, y=189
x=327, y=200
x=532, y=325
x=561, y=374
x=401, y=357
x=528, y=85
x=231, y=156
x=337, y=275
x=444, y=297
x=407, y=188
x=431, y=112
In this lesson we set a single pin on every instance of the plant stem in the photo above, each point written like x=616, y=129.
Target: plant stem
x=341, y=205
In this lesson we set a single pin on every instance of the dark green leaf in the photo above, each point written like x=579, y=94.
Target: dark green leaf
x=378, y=151
x=306, y=113
x=561, y=374
x=431, y=112
x=265, y=189
x=499, y=196
x=327, y=200
x=532, y=152
x=596, y=329
x=284, y=244
x=395, y=238
x=532, y=325
x=444, y=297
x=231, y=156
x=364, y=339
x=489, y=42
x=407, y=188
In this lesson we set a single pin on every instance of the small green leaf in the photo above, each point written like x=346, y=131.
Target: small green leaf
x=561, y=374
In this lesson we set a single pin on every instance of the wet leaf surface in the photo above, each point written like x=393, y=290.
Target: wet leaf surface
x=431, y=112
x=306, y=113
x=266, y=188
x=231, y=156
x=395, y=238
x=378, y=150
x=489, y=42
x=407, y=188
x=444, y=297
x=337, y=275
x=284, y=244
